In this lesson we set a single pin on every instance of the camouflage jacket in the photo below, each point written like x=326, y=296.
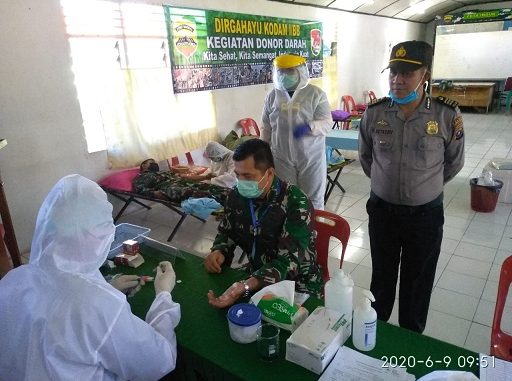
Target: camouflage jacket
x=284, y=242
x=175, y=188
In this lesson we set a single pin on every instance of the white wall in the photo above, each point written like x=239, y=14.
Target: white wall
x=40, y=115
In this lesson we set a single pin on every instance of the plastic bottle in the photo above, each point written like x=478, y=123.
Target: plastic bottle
x=338, y=293
x=364, y=326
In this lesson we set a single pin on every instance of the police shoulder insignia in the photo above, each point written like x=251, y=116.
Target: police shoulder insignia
x=447, y=101
x=378, y=101
x=458, y=128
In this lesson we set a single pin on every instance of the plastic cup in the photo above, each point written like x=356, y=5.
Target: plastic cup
x=267, y=341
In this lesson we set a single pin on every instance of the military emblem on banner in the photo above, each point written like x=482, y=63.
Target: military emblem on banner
x=432, y=127
x=316, y=41
x=185, y=37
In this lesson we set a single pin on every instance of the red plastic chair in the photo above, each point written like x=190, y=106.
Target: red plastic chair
x=356, y=110
x=175, y=160
x=329, y=225
x=501, y=343
x=246, y=125
x=371, y=96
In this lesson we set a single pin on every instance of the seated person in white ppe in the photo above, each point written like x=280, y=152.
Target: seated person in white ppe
x=60, y=319
x=222, y=166
x=296, y=117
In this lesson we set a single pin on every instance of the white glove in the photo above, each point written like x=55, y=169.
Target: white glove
x=165, y=278
x=127, y=284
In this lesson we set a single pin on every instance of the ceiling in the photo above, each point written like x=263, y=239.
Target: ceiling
x=398, y=9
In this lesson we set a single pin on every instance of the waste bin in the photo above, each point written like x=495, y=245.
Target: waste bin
x=484, y=197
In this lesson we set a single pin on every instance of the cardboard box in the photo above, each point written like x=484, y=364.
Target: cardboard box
x=316, y=341
x=130, y=247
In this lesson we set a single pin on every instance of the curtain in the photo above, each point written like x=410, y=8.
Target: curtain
x=144, y=119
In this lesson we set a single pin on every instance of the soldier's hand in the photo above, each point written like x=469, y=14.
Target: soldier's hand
x=213, y=262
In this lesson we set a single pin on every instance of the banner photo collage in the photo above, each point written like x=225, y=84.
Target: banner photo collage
x=214, y=50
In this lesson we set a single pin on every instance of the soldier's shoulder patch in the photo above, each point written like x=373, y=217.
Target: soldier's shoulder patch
x=447, y=101
x=378, y=101
x=458, y=128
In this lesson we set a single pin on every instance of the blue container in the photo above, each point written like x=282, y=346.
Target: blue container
x=244, y=320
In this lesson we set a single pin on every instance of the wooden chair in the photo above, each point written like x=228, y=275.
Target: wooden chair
x=329, y=225
x=501, y=343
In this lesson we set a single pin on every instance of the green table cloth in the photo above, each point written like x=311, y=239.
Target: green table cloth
x=206, y=351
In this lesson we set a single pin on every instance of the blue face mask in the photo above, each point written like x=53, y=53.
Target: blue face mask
x=249, y=188
x=411, y=97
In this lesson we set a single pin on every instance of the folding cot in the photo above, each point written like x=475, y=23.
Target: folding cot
x=119, y=185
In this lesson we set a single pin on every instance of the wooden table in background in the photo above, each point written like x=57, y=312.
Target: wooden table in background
x=472, y=94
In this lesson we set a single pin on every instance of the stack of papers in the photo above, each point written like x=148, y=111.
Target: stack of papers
x=495, y=369
x=350, y=365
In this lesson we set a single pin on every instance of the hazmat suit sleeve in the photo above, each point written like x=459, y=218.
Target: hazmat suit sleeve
x=296, y=259
x=322, y=118
x=266, y=128
x=134, y=350
x=365, y=145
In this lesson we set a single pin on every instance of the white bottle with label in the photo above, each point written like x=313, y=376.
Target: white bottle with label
x=338, y=293
x=364, y=325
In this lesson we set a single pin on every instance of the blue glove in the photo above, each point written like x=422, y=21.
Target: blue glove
x=301, y=130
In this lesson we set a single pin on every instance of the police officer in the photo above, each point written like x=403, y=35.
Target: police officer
x=410, y=145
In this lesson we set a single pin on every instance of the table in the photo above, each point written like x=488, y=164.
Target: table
x=332, y=182
x=474, y=94
x=343, y=139
x=339, y=139
x=206, y=352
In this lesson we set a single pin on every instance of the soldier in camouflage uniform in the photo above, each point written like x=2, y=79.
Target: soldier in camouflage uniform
x=269, y=220
x=169, y=186
x=410, y=145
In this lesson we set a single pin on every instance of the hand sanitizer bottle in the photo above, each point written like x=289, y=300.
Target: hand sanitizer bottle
x=338, y=293
x=364, y=325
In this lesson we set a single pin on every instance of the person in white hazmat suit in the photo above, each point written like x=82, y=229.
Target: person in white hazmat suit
x=222, y=166
x=60, y=319
x=296, y=118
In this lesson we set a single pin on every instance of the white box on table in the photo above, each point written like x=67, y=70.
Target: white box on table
x=316, y=341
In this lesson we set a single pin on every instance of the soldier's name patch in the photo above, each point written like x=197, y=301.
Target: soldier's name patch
x=458, y=128
x=432, y=127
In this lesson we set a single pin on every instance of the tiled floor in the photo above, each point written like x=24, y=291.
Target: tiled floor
x=474, y=244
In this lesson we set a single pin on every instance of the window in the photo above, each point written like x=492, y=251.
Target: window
x=124, y=85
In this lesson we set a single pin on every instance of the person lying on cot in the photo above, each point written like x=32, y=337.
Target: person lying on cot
x=167, y=185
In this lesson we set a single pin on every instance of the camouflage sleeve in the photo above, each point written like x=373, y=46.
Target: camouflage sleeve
x=222, y=241
x=296, y=257
x=145, y=184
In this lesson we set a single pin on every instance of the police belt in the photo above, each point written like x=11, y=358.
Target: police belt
x=405, y=210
